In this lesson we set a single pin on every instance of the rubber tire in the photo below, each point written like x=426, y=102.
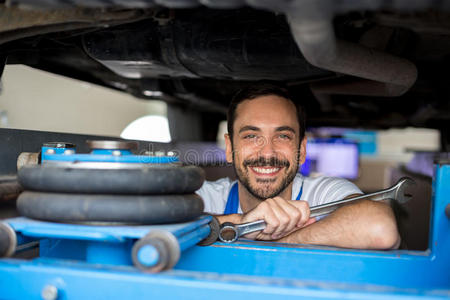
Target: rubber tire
x=214, y=225
x=152, y=209
x=143, y=181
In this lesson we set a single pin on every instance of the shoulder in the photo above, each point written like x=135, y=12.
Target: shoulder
x=320, y=190
x=217, y=186
x=215, y=194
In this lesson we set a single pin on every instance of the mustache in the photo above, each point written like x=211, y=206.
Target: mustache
x=266, y=162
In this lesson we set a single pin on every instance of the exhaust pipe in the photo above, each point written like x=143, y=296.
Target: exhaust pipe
x=385, y=74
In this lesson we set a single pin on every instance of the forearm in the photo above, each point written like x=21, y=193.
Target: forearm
x=362, y=225
x=233, y=218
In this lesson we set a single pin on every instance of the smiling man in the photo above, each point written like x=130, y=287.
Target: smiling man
x=266, y=143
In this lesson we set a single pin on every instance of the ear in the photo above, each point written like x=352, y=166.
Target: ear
x=303, y=151
x=228, y=148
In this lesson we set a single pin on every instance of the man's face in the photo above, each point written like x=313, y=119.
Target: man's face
x=266, y=149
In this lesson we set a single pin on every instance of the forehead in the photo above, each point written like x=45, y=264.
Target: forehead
x=266, y=111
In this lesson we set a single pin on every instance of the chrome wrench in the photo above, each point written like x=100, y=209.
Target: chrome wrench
x=230, y=232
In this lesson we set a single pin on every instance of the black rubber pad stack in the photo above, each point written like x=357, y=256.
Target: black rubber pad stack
x=149, y=195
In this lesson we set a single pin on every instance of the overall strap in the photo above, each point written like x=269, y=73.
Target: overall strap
x=301, y=191
x=233, y=199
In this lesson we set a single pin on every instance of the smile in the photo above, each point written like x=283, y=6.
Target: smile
x=265, y=170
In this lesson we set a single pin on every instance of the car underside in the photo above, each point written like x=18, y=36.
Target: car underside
x=366, y=64
x=87, y=211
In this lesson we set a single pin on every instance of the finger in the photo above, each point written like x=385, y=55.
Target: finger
x=303, y=206
x=264, y=237
x=310, y=221
x=262, y=212
x=281, y=215
x=293, y=212
x=270, y=215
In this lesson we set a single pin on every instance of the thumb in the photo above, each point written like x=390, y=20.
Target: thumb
x=309, y=222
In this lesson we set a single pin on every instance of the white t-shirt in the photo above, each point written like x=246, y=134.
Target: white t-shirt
x=316, y=191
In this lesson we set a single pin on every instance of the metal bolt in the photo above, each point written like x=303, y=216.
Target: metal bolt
x=69, y=152
x=50, y=151
x=116, y=153
x=49, y=292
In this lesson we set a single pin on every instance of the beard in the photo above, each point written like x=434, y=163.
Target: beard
x=264, y=188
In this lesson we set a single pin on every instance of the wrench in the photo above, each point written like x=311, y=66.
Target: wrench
x=230, y=232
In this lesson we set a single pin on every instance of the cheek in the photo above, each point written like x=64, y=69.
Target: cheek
x=288, y=150
x=244, y=150
x=294, y=158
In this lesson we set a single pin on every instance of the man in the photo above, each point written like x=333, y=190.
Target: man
x=266, y=143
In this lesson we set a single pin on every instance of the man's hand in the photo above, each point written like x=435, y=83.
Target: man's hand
x=362, y=224
x=281, y=216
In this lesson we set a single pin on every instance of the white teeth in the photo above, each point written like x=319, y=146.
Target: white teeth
x=266, y=171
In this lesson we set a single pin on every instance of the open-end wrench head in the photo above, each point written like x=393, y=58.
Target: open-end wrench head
x=402, y=195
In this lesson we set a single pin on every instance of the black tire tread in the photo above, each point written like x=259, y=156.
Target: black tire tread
x=150, y=209
x=144, y=181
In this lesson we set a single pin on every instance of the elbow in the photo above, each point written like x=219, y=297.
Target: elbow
x=384, y=234
x=380, y=226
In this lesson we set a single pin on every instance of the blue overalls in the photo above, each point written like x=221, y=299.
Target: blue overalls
x=233, y=199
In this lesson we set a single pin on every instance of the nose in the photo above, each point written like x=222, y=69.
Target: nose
x=266, y=147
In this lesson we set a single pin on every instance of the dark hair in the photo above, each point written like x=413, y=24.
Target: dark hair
x=259, y=90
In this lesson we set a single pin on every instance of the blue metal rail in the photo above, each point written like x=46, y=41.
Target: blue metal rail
x=98, y=266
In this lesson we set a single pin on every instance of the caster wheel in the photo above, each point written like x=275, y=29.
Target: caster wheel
x=8, y=240
x=155, y=252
